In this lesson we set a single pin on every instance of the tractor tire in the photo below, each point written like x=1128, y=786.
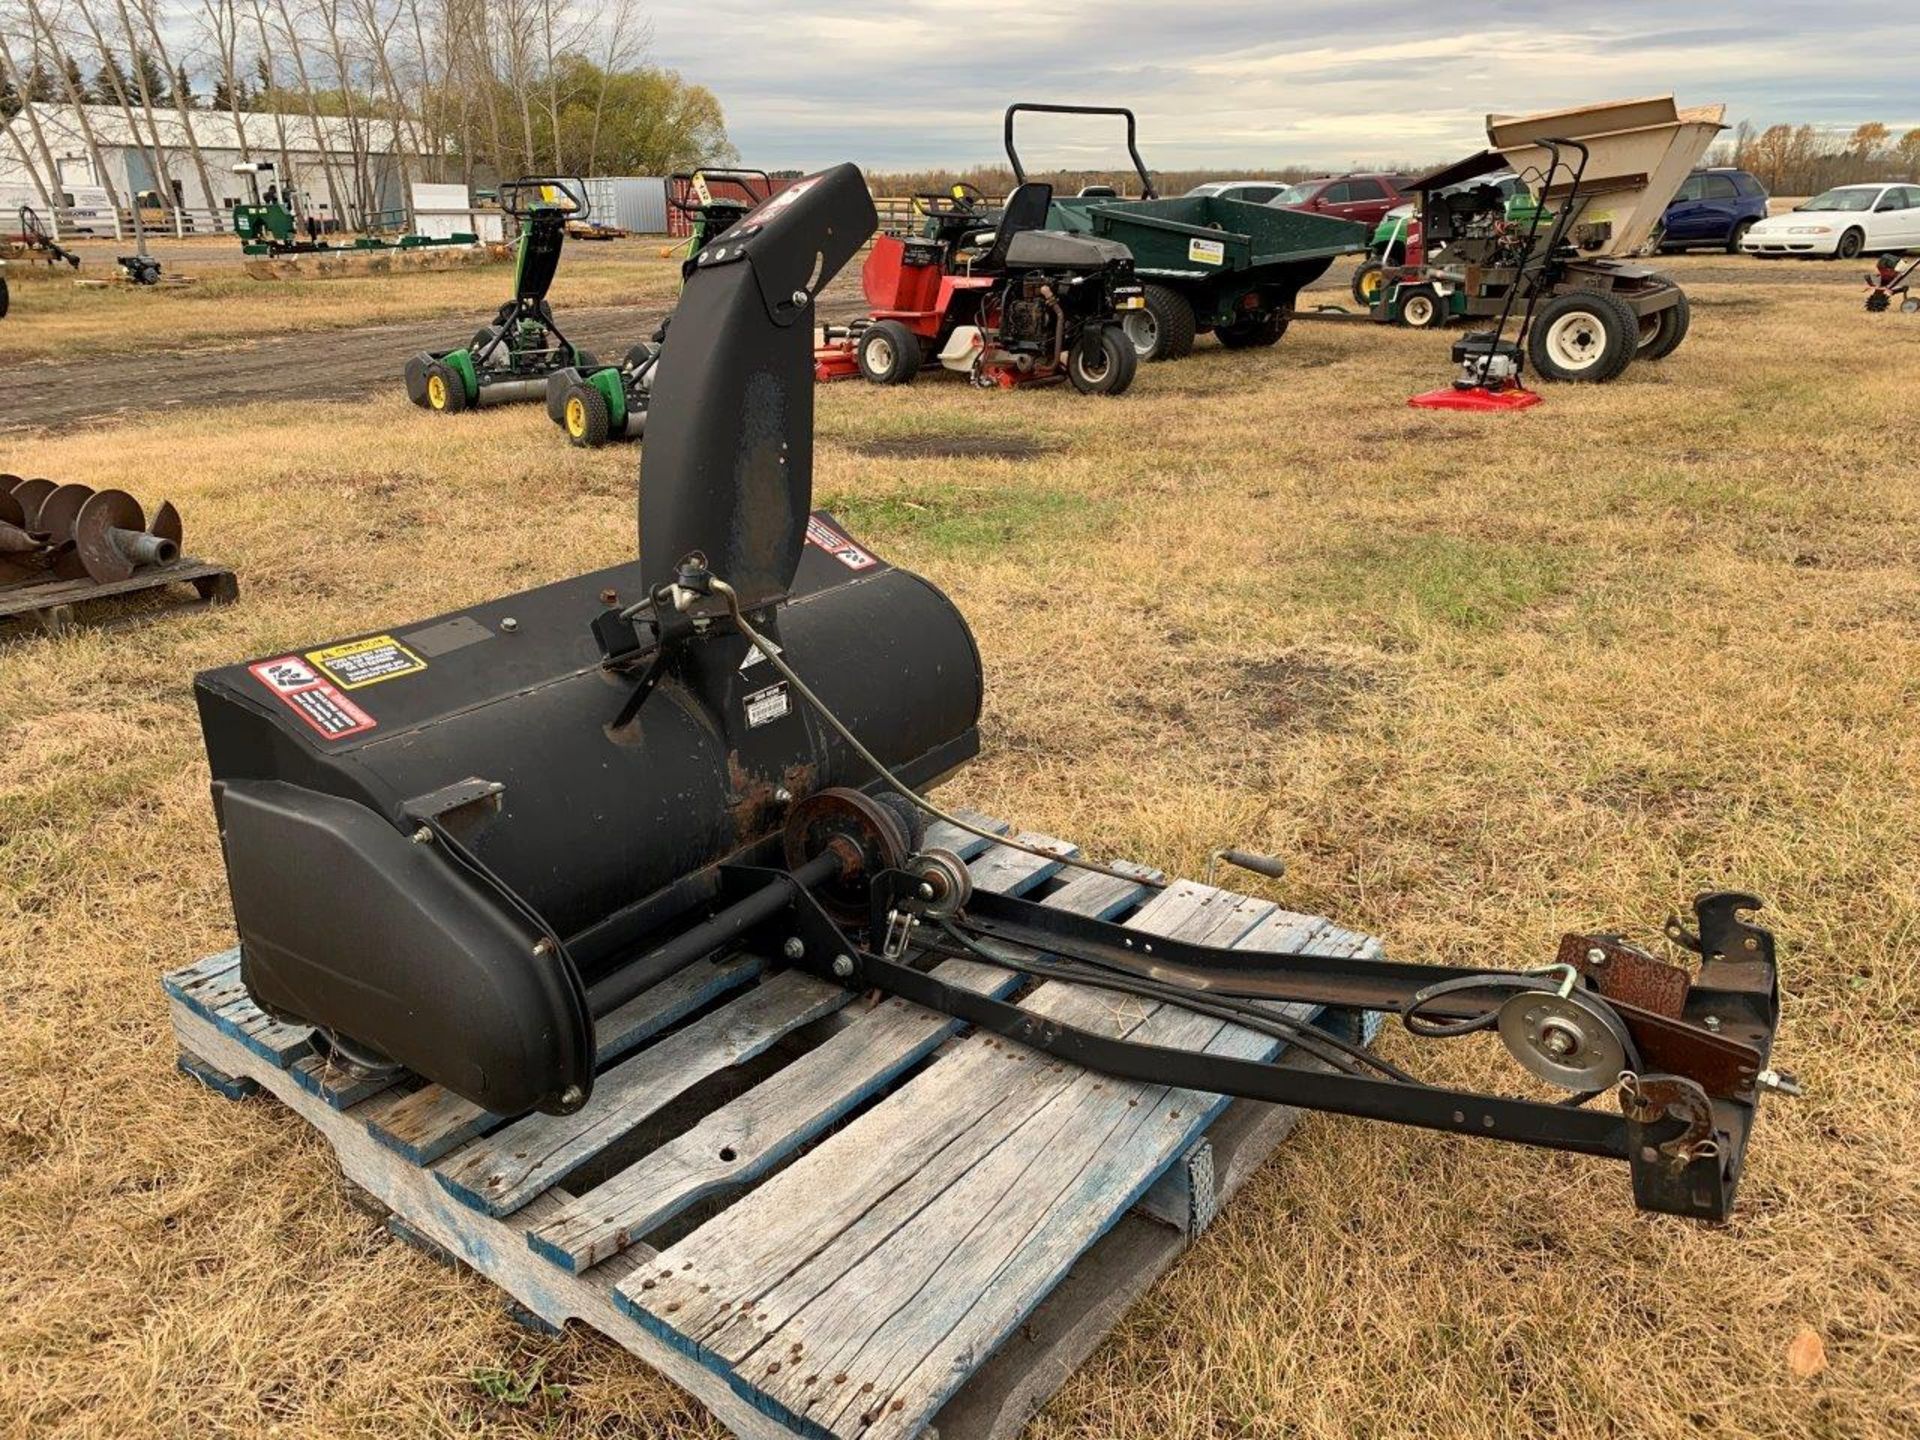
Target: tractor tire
x=1164, y=330
x=1260, y=334
x=1103, y=361
x=1583, y=337
x=1738, y=234
x=1421, y=307
x=1367, y=281
x=1851, y=245
x=557, y=384
x=416, y=377
x=446, y=390
x=1671, y=325
x=888, y=353
x=586, y=420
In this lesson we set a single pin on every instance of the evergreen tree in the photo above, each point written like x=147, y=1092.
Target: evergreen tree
x=74, y=77
x=152, y=77
x=225, y=100
x=41, y=86
x=10, y=101
x=105, y=80
x=182, y=87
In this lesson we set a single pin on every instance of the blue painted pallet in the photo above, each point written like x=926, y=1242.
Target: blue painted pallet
x=883, y=1228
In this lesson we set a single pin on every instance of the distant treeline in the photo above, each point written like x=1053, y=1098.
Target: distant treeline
x=1789, y=159
x=1804, y=159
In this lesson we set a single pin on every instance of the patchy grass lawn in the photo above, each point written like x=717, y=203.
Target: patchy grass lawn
x=1479, y=679
x=52, y=318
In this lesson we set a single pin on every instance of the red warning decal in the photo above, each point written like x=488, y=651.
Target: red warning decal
x=820, y=533
x=294, y=683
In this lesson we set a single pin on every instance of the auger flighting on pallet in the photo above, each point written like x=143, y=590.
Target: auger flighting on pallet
x=543, y=805
x=66, y=532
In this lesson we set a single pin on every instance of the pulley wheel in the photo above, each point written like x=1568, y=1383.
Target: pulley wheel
x=105, y=512
x=60, y=509
x=166, y=524
x=945, y=874
x=1571, y=1041
x=30, y=494
x=350, y=1055
x=865, y=834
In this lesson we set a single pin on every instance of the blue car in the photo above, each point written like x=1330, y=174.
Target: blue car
x=1714, y=207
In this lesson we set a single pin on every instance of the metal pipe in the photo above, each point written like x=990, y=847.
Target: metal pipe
x=143, y=548
x=612, y=991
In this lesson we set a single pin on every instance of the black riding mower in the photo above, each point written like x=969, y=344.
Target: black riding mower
x=511, y=358
x=597, y=405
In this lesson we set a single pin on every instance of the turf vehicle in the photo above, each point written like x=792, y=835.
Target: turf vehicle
x=1396, y=239
x=511, y=358
x=1589, y=310
x=994, y=295
x=1209, y=264
x=268, y=226
x=600, y=404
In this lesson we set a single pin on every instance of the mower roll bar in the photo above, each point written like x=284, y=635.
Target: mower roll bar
x=1147, y=192
x=514, y=195
x=719, y=172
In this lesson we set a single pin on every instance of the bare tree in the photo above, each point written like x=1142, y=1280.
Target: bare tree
x=357, y=142
x=12, y=73
x=406, y=134
x=146, y=9
x=81, y=118
x=163, y=169
x=627, y=42
x=219, y=21
x=338, y=195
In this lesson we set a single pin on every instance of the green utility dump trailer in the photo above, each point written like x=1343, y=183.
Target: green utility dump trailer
x=1209, y=264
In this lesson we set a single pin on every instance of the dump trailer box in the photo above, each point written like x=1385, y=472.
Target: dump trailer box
x=1639, y=153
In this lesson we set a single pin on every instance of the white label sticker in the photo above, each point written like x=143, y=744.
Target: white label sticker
x=766, y=706
x=1207, y=252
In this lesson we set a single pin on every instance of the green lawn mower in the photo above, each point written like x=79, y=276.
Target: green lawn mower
x=598, y=405
x=512, y=358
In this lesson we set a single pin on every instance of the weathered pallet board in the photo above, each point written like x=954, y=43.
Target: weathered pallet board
x=883, y=1228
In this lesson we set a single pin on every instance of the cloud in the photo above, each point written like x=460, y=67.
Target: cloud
x=907, y=83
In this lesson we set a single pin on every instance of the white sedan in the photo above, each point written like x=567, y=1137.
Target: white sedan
x=1845, y=223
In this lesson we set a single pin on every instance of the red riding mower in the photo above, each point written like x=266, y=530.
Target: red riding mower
x=1888, y=287
x=995, y=296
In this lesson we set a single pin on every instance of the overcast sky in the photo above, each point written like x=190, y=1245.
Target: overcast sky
x=1231, y=83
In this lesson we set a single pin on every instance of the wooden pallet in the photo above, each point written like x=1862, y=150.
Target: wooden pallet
x=56, y=605
x=823, y=1217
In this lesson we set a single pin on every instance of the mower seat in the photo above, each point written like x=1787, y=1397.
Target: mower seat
x=1026, y=210
x=1053, y=250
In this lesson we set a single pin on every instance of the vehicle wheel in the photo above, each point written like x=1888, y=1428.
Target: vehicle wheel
x=1670, y=328
x=416, y=375
x=1910, y=306
x=1251, y=334
x=585, y=359
x=641, y=355
x=1367, y=281
x=888, y=353
x=557, y=384
x=1165, y=329
x=1103, y=362
x=446, y=391
x=1423, y=308
x=1585, y=336
x=586, y=423
x=1740, y=230
x=1851, y=244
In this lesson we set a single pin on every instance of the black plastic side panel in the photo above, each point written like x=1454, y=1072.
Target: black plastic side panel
x=397, y=950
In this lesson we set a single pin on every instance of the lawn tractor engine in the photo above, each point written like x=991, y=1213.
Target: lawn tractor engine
x=456, y=845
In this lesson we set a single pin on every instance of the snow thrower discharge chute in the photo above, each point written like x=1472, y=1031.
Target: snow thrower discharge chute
x=456, y=845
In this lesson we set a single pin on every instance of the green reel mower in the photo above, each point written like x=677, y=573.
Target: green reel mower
x=512, y=358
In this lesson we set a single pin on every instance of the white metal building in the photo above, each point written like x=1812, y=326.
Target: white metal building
x=321, y=160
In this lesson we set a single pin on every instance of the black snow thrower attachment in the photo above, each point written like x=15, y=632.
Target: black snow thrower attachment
x=456, y=845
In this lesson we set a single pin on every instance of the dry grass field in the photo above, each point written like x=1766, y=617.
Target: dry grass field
x=1480, y=679
x=225, y=307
